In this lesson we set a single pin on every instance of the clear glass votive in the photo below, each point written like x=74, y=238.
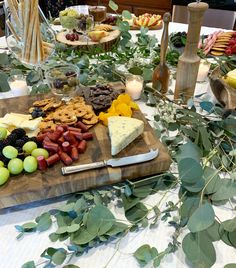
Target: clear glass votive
x=63, y=80
x=203, y=70
x=18, y=85
x=98, y=12
x=134, y=86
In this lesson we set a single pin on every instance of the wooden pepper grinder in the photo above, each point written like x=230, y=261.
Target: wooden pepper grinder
x=161, y=74
x=188, y=64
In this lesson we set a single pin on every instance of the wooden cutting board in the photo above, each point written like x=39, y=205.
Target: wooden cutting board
x=26, y=188
x=106, y=43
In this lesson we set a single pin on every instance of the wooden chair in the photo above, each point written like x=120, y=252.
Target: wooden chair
x=213, y=17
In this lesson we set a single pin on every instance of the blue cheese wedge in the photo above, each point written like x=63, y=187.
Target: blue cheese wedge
x=122, y=131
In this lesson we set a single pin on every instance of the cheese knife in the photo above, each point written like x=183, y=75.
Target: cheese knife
x=115, y=162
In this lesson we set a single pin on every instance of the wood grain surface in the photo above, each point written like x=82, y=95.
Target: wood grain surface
x=38, y=186
x=106, y=43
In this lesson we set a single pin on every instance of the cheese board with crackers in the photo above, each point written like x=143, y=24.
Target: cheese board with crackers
x=72, y=135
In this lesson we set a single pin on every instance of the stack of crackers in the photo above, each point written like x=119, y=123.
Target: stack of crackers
x=26, y=29
x=221, y=43
x=58, y=112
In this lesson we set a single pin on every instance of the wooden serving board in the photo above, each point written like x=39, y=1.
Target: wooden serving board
x=106, y=42
x=26, y=188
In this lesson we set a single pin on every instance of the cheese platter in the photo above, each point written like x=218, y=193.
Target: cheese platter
x=48, y=183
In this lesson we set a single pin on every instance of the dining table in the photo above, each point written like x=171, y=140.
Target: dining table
x=14, y=253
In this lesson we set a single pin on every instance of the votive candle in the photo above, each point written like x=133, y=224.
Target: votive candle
x=18, y=85
x=134, y=86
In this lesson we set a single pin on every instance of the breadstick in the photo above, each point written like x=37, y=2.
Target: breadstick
x=21, y=18
x=14, y=13
x=26, y=16
x=39, y=44
x=15, y=3
x=33, y=46
x=10, y=26
x=46, y=44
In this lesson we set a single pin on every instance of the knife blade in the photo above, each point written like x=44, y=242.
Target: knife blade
x=119, y=162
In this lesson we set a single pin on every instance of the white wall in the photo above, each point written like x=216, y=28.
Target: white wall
x=213, y=17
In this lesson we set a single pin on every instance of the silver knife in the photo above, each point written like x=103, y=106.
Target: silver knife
x=119, y=162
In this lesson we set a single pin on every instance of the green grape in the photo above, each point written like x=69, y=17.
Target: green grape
x=10, y=152
x=4, y=175
x=40, y=152
x=30, y=164
x=15, y=166
x=3, y=133
x=29, y=146
x=1, y=164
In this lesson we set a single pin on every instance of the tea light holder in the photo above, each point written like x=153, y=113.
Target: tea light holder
x=18, y=85
x=203, y=70
x=134, y=86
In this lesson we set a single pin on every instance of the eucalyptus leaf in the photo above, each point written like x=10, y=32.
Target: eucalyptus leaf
x=99, y=220
x=30, y=264
x=48, y=253
x=67, y=207
x=199, y=250
x=213, y=232
x=4, y=59
x=195, y=188
x=44, y=222
x=62, y=230
x=136, y=71
x=73, y=228
x=29, y=225
x=147, y=74
x=113, y=5
x=189, y=150
x=32, y=78
x=4, y=86
x=129, y=202
x=232, y=238
x=207, y=106
x=82, y=236
x=126, y=15
x=227, y=190
x=212, y=180
x=188, y=207
x=136, y=213
x=229, y=225
x=142, y=192
x=53, y=237
x=190, y=171
x=145, y=254
x=230, y=265
x=59, y=256
x=19, y=228
x=202, y=218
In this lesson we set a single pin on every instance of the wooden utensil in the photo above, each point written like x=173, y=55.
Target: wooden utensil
x=161, y=73
x=188, y=64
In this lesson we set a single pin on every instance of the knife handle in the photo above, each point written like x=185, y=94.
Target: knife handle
x=79, y=168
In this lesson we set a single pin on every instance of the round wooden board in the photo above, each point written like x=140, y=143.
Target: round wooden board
x=106, y=42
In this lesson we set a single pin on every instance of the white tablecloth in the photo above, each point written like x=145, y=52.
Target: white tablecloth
x=14, y=253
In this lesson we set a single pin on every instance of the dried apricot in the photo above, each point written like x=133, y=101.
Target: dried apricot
x=124, y=109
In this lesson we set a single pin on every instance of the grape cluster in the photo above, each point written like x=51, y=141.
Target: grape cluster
x=17, y=139
x=178, y=39
x=38, y=112
x=110, y=20
x=72, y=37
